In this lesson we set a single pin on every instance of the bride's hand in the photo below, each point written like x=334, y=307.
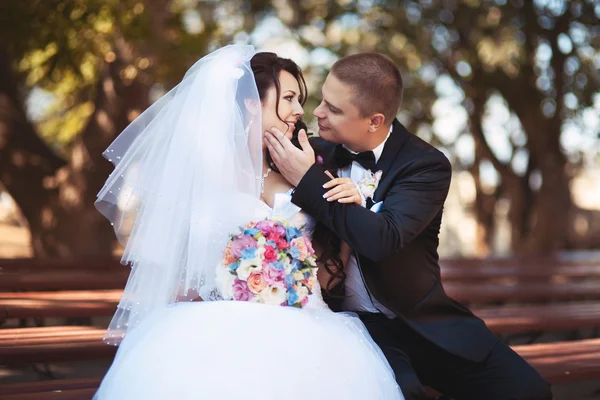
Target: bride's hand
x=344, y=190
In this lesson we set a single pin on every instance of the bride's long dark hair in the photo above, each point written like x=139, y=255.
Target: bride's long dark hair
x=266, y=68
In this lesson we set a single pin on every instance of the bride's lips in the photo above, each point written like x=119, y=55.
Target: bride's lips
x=292, y=125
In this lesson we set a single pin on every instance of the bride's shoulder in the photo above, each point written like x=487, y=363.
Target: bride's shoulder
x=276, y=183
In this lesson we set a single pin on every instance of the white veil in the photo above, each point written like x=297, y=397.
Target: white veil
x=187, y=174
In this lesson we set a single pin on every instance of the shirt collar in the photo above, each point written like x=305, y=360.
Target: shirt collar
x=377, y=151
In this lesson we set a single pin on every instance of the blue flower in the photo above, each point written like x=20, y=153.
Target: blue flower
x=289, y=281
x=271, y=243
x=249, y=253
x=278, y=265
x=292, y=297
x=251, y=232
x=296, y=265
x=233, y=266
x=292, y=233
x=294, y=252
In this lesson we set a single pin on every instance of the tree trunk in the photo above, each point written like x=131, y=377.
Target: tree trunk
x=57, y=199
x=548, y=219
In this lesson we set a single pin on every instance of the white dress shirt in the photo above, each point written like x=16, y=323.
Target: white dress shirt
x=357, y=297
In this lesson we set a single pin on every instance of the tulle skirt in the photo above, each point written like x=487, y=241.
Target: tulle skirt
x=230, y=350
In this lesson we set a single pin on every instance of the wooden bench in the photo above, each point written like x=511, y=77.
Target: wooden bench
x=563, y=259
x=562, y=362
x=31, y=264
x=21, y=346
x=116, y=277
x=525, y=318
x=501, y=319
x=515, y=272
x=60, y=394
x=58, y=388
x=558, y=362
x=80, y=303
x=62, y=279
x=489, y=292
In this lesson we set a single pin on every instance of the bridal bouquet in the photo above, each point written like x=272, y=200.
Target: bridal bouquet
x=269, y=262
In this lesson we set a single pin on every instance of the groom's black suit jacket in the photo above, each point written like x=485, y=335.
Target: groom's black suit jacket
x=397, y=247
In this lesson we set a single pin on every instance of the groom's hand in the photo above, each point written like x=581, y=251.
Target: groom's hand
x=291, y=161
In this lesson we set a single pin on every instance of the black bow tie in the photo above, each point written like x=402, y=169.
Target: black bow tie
x=343, y=158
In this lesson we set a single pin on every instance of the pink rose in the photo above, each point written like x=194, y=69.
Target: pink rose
x=241, y=243
x=273, y=236
x=309, y=246
x=279, y=230
x=266, y=227
x=304, y=301
x=256, y=283
x=241, y=291
x=301, y=245
x=282, y=244
x=273, y=277
x=270, y=254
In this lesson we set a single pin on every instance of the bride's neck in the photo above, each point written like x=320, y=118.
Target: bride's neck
x=265, y=166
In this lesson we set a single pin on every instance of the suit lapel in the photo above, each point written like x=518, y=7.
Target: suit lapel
x=388, y=157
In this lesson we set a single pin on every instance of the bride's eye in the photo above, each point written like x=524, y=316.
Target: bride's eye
x=289, y=98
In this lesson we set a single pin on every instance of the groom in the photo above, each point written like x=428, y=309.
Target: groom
x=393, y=278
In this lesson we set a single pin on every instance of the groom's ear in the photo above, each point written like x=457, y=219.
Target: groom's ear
x=376, y=121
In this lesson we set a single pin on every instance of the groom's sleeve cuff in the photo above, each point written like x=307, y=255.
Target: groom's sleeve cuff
x=310, y=189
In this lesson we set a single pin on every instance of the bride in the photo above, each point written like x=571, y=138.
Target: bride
x=189, y=171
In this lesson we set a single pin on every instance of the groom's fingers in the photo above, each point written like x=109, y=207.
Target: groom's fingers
x=275, y=148
x=283, y=140
x=304, y=143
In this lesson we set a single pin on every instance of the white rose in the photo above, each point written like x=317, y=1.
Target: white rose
x=260, y=251
x=274, y=295
x=368, y=190
x=287, y=266
x=224, y=280
x=247, y=267
x=301, y=291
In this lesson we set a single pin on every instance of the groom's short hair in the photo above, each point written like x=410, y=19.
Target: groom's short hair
x=376, y=82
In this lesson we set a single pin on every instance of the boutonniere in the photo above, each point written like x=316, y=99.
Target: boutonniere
x=369, y=182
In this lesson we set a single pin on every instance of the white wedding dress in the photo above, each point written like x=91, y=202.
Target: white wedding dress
x=231, y=350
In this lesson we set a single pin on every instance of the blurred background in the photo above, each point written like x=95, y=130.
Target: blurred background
x=508, y=89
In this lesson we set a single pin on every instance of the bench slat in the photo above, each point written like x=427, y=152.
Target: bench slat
x=75, y=279
x=564, y=362
x=74, y=394
x=523, y=272
x=49, y=385
x=522, y=291
x=557, y=362
x=79, y=303
x=501, y=319
x=540, y=317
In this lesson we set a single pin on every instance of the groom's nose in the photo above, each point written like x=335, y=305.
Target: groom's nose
x=319, y=111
